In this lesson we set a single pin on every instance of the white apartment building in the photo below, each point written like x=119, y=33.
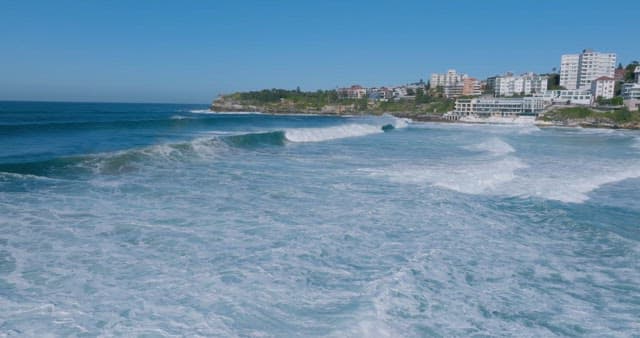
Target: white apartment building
x=353, y=92
x=603, y=87
x=525, y=84
x=569, y=64
x=512, y=107
x=577, y=71
x=631, y=91
x=579, y=97
x=450, y=78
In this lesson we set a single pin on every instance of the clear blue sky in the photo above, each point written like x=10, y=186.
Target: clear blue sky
x=190, y=51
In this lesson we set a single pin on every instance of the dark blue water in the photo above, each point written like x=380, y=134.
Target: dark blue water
x=165, y=220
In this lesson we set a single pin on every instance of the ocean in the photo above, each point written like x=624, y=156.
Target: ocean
x=167, y=220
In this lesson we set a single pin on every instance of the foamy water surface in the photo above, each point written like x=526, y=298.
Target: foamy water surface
x=151, y=220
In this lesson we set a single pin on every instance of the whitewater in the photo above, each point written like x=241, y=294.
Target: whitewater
x=170, y=220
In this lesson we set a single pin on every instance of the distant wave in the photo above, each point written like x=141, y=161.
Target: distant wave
x=123, y=161
x=211, y=112
x=636, y=143
x=331, y=133
x=494, y=146
x=342, y=131
x=180, y=117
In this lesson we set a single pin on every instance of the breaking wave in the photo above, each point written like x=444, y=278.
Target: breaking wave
x=343, y=131
x=494, y=146
x=331, y=133
x=570, y=190
x=129, y=160
x=509, y=176
x=470, y=179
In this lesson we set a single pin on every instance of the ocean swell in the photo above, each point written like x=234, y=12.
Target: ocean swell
x=128, y=160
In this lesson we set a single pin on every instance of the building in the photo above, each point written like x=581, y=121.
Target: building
x=577, y=71
x=450, y=78
x=454, y=84
x=569, y=64
x=578, y=97
x=525, y=84
x=381, y=94
x=502, y=107
x=353, y=92
x=631, y=91
x=471, y=87
x=603, y=87
x=453, y=90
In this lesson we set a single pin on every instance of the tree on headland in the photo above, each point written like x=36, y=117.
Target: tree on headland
x=553, y=82
x=421, y=97
x=629, y=69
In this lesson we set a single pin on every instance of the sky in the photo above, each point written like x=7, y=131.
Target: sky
x=192, y=51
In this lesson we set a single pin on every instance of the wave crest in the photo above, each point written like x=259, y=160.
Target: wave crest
x=493, y=146
x=331, y=133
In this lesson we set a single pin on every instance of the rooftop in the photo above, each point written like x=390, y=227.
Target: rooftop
x=605, y=78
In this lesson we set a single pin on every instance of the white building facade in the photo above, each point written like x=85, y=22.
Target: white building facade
x=488, y=107
x=569, y=64
x=577, y=71
x=631, y=91
x=603, y=87
x=450, y=78
x=578, y=97
x=525, y=84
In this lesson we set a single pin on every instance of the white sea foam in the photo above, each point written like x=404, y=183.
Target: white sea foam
x=503, y=177
x=494, y=146
x=570, y=189
x=15, y=176
x=179, y=117
x=331, y=133
x=208, y=111
x=400, y=123
x=484, y=177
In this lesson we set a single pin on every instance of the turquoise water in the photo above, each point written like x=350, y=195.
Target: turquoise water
x=163, y=220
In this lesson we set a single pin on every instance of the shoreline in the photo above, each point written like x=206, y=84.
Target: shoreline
x=573, y=123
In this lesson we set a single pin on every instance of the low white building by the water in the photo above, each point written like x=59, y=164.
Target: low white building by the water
x=579, y=97
x=499, y=107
